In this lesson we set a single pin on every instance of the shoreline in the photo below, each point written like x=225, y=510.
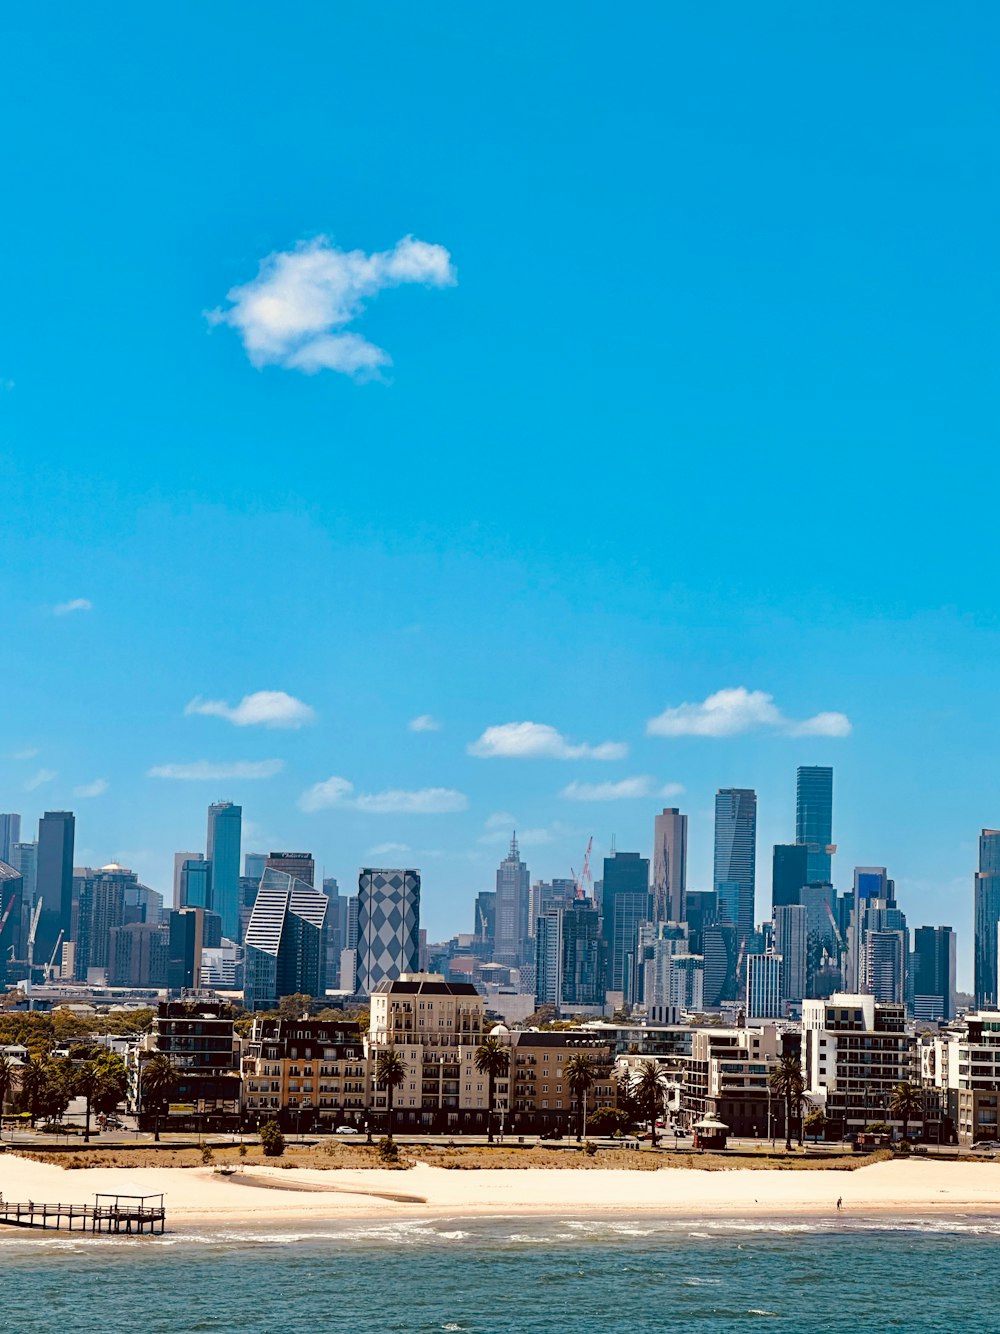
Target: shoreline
x=268, y=1196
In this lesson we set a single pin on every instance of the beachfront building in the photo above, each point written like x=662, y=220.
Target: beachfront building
x=963, y=1064
x=726, y=1078
x=855, y=1050
x=199, y=1041
x=542, y=1099
x=307, y=1074
x=436, y=1026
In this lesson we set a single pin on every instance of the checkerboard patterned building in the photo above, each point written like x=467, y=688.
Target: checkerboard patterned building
x=388, y=925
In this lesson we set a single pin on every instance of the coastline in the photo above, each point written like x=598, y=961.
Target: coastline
x=267, y=1196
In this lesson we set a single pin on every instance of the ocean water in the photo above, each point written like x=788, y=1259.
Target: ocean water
x=491, y=1276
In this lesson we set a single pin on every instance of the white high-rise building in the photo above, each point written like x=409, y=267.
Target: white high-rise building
x=764, y=986
x=791, y=940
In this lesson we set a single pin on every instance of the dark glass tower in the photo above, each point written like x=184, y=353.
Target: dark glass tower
x=814, y=819
x=626, y=901
x=789, y=874
x=54, y=881
x=735, y=856
x=987, y=918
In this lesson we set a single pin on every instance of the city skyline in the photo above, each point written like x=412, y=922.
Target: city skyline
x=643, y=291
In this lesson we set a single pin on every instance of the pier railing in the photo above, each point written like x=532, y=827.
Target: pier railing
x=128, y=1214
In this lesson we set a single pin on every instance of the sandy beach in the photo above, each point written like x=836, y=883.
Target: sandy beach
x=275, y=1195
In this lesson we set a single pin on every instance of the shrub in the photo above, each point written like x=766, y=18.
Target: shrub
x=207, y=1156
x=243, y=1150
x=589, y=1148
x=272, y=1141
x=387, y=1151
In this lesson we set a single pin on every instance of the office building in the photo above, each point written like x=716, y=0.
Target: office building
x=484, y=928
x=179, y=859
x=814, y=819
x=549, y=957
x=670, y=866
x=763, y=994
x=223, y=851
x=54, y=882
x=987, y=919
x=24, y=858
x=388, y=926
x=825, y=942
x=568, y=957
x=791, y=941
x=285, y=941
x=100, y=896
x=139, y=955
x=254, y=865
x=547, y=894
x=721, y=954
x=185, y=943
x=11, y=894
x=735, y=857
x=301, y=865
x=789, y=872
x=513, y=894
x=702, y=911
x=195, y=884
x=626, y=901
x=10, y=833
x=932, y=973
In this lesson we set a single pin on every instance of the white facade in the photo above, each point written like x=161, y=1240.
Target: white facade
x=764, y=986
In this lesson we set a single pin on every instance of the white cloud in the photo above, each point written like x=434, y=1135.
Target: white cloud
x=539, y=741
x=74, y=604
x=264, y=708
x=526, y=838
x=389, y=849
x=500, y=820
x=28, y=753
x=295, y=312
x=736, y=710
x=395, y=801
x=95, y=789
x=206, y=770
x=37, y=779
x=426, y=722
x=624, y=790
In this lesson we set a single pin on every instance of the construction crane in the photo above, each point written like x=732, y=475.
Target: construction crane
x=50, y=969
x=7, y=912
x=585, y=878
x=36, y=913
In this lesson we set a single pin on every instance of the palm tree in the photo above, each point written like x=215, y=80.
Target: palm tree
x=579, y=1071
x=787, y=1082
x=390, y=1072
x=31, y=1088
x=492, y=1059
x=7, y=1068
x=157, y=1080
x=906, y=1101
x=649, y=1093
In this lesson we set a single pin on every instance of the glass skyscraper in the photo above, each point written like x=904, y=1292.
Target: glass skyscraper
x=626, y=901
x=735, y=856
x=987, y=918
x=10, y=833
x=54, y=881
x=814, y=819
x=225, y=822
x=513, y=892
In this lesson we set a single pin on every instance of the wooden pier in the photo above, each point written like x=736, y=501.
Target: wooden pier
x=127, y=1215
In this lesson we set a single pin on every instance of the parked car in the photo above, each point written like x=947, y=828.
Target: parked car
x=681, y=1133
x=985, y=1146
x=347, y=1130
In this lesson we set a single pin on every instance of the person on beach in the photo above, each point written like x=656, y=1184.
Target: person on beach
x=840, y=1203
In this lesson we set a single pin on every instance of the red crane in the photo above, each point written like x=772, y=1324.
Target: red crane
x=585, y=878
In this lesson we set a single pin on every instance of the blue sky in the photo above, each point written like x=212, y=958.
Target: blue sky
x=693, y=388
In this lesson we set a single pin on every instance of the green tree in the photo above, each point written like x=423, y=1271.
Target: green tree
x=57, y=1089
x=390, y=1073
x=650, y=1090
x=272, y=1141
x=157, y=1080
x=579, y=1073
x=625, y=1087
x=101, y=1083
x=906, y=1102
x=31, y=1088
x=816, y=1123
x=492, y=1059
x=788, y=1084
x=294, y=1006
x=607, y=1121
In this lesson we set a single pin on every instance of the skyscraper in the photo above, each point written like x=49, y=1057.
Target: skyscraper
x=195, y=885
x=512, y=902
x=10, y=833
x=223, y=850
x=670, y=866
x=789, y=872
x=285, y=941
x=933, y=972
x=626, y=901
x=100, y=909
x=254, y=865
x=814, y=818
x=763, y=996
x=54, y=881
x=388, y=926
x=179, y=859
x=791, y=940
x=735, y=856
x=987, y=918
x=11, y=894
x=299, y=864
